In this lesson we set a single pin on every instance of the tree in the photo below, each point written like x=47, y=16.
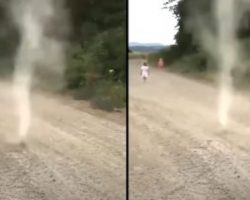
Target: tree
x=195, y=16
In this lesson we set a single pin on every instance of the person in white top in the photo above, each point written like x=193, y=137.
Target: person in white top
x=144, y=71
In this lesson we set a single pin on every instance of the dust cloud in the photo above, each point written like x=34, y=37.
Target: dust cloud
x=217, y=34
x=40, y=49
x=227, y=55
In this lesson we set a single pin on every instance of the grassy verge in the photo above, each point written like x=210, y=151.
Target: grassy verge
x=194, y=67
x=105, y=95
x=138, y=55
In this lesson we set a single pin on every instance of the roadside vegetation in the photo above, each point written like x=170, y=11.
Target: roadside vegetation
x=188, y=56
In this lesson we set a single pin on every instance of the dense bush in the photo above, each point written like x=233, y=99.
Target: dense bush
x=105, y=95
x=97, y=70
x=109, y=96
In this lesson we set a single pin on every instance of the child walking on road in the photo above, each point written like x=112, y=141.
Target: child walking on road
x=144, y=71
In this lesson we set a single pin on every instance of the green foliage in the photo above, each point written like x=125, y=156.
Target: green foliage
x=96, y=67
x=169, y=54
x=109, y=96
x=187, y=55
x=100, y=59
x=191, y=63
x=105, y=95
x=138, y=55
x=97, y=72
x=84, y=93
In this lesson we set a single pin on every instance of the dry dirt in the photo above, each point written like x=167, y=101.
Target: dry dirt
x=178, y=151
x=69, y=155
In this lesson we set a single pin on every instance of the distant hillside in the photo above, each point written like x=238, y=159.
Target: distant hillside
x=146, y=47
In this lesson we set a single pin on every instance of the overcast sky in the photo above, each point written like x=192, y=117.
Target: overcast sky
x=149, y=23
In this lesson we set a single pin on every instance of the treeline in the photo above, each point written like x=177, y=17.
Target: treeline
x=196, y=23
x=95, y=68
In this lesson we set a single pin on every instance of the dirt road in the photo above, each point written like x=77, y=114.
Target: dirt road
x=177, y=149
x=70, y=154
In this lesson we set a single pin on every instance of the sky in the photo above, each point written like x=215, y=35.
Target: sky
x=149, y=23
